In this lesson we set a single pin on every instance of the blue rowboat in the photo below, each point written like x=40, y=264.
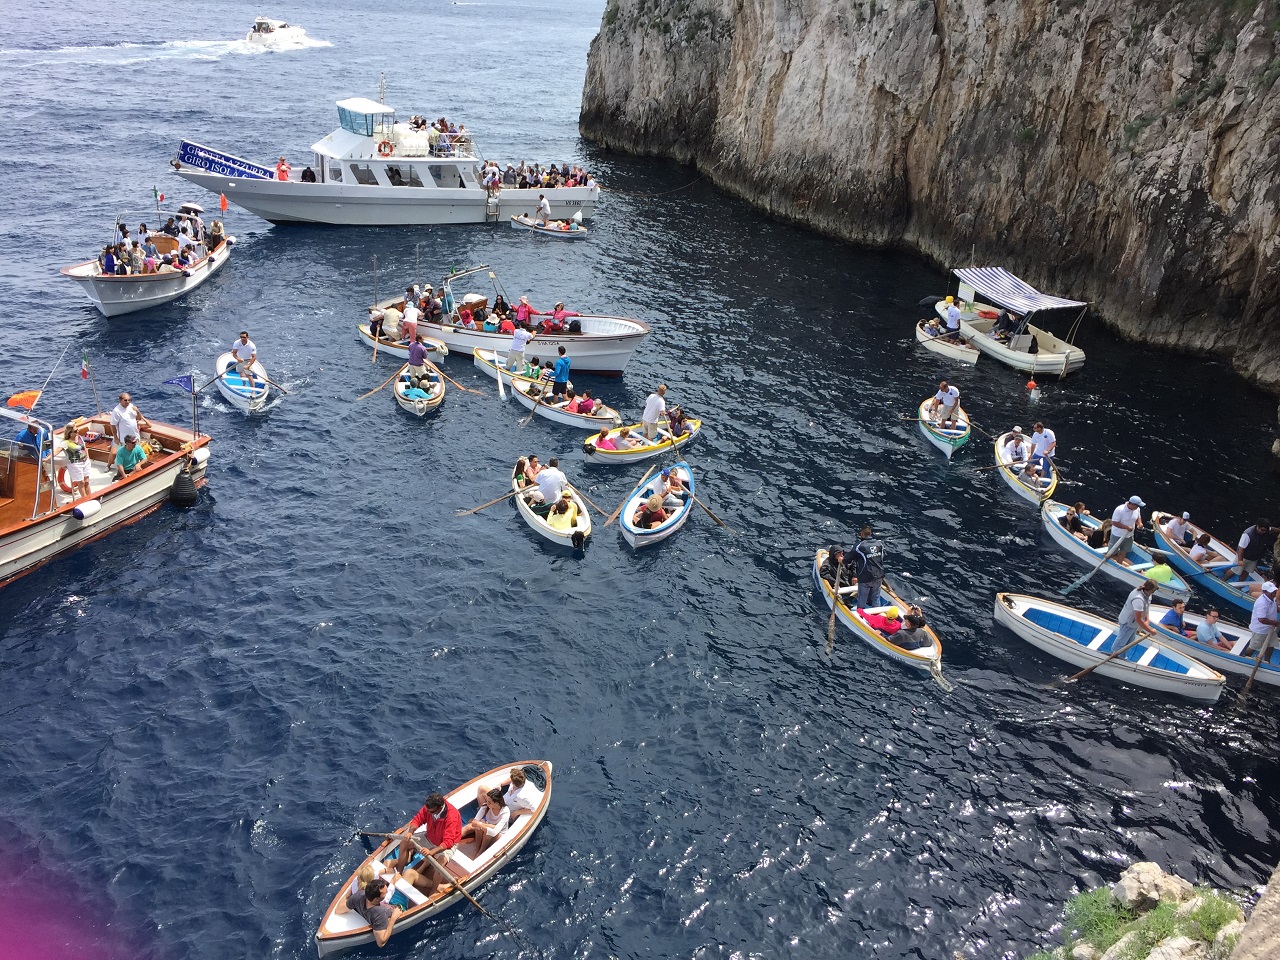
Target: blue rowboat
x=247, y=394
x=639, y=537
x=1214, y=576
x=946, y=439
x=1085, y=640
x=1140, y=560
x=1235, y=660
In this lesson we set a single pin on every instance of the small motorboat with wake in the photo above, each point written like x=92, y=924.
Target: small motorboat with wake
x=948, y=439
x=1035, y=489
x=419, y=395
x=268, y=33
x=244, y=393
x=1085, y=640
x=944, y=346
x=571, y=229
x=1235, y=660
x=640, y=537
x=1215, y=574
x=568, y=528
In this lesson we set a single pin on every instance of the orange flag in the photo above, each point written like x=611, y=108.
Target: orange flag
x=222, y=202
x=27, y=399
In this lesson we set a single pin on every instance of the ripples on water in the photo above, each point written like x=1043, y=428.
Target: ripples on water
x=202, y=708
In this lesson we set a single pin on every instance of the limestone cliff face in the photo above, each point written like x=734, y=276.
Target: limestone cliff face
x=1126, y=152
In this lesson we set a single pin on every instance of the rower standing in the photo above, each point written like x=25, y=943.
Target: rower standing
x=945, y=403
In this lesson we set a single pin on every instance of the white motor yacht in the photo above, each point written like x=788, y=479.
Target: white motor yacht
x=269, y=33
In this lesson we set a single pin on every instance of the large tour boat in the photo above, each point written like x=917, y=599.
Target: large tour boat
x=375, y=171
x=43, y=514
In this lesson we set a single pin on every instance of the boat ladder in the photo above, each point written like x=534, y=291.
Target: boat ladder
x=492, y=210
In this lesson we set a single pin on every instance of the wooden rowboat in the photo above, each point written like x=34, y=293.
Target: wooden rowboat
x=537, y=397
x=575, y=536
x=1035, y=493
x=342, y=931
x=925, y=658
x=946, y=439
x=1236, y=660
x=249, y=395
x=564, y=229
x=1215, y=576
x=643, y=449
x=436, y=349
x=960, y=351
x=639, y=537
x=1085, y=640
x=418, y=406
x=1139, y=559
x=494, y=364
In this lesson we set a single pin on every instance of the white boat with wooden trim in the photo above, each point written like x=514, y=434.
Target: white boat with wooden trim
x=1131, y=569
x=1216, y=575
x=568, y=530
x=41, y=515
x=244, y=393
x=375, y=171
x=961, y=352
x=642, y=448
x=343, y=931
x=1236, y=660
x=115, y=295
x=495, y=365
x=1034, y=490
x=640, y=537
x=1085, y=640
x=947, y=439
x=537, y=398
x=561, y=229
x=421, y=397
x=923, y=658
x=437, y=350
x=1027, y=347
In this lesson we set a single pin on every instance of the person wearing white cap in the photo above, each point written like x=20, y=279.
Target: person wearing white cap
x=1015, y=448
x=1179, y=530
x=1262, y=626
x=1126, y=519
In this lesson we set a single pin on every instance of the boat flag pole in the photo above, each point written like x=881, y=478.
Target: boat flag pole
x=86, y=371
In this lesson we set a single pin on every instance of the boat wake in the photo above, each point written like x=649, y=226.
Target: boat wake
x=128, y=53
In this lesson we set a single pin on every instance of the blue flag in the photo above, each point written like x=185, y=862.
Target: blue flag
x=186, y=383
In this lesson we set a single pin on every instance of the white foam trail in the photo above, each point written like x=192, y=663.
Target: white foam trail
x=170, y=49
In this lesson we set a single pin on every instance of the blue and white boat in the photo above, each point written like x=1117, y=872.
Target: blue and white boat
x=1140, y=560
x=1085, y=640
x=1235, y=660
x=244, y=393
x=639, y=537
x=947, y=439
x=1036, y=490
x=1214, y=576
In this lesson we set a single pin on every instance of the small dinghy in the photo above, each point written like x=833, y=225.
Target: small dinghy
x=1035, y=490
x=569, y=529
x=1215, y=575
x=642, y=448
x=342, y=931
x=640, y=537
x=947, y=439
x=1134, y=574
x=249, y=395
x=1085, y=640
x=437, y=350
x=1236, y=660
x=959, y=351
x=925, y=658
x=537, y=397
x=571, y=229
x=419, y=396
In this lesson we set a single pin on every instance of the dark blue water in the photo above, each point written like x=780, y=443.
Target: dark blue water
x=202, y=708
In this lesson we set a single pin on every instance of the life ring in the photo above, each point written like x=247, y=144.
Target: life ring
x=386, y=148
x=63, y=485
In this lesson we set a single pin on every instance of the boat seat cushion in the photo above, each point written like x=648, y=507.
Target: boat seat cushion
x=409, y=891
x=1063, y=626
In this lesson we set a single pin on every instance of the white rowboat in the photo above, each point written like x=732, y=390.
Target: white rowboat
x=419, y=406
x=1216, y=575
x=946, y=439
x=249, y=395
x=643, y=449
x=1039, y=491
x=531, y=396
x=1085, y=640
x=1236, y=660
x=564, y=229
x=578, y=531
x=495, y=365
x=437, y=350
x=643, y=537
x=960, y=352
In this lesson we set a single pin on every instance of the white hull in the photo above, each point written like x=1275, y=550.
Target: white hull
x=647, y=450
x=1132, y=576
x=236, y=391
x=116, y=296
x=418, y=407
x=960, y=352
x=540, y=526
x=1234, y=660
x=521, y=222
x=1054, y=356
x=1181, y=674
x=1013, y=477
x=556, y=414
x=948, y=440
x=639, y=538
x=1217, y=576
x=358, y=205
x=495, y=365
x=437, y=350
x=604, y=346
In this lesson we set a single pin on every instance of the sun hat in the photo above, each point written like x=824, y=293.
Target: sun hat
x=1017, y=429
x=1186, y=516
x=1268, y=587
x=654, y=502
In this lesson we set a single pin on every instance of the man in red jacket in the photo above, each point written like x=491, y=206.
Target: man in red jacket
x=444, y=830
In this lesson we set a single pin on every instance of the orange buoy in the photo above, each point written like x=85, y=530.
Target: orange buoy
x=1031, y=384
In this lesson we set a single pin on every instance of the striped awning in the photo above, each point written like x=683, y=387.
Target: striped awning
x=1005, y=290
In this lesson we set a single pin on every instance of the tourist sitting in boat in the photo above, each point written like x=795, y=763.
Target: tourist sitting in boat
x=1210, y=634
x=489, y=822
x=1160, y=570
x=622, y=440
x=570, y=403
x=520, y=794
x=886, y=624
x=532, y=468
x=913, y=636
x=678, y=422
x=1073, y=523
x=650, y=513
x=308, y=175
x=564, y=515
x=1201, y=553
x=1004, y=326
x=1173, y=619
x=834, y=562
x=1178, y=529
x=1100, y=537
x=375, y=323
x=432, y=307
x=500, y=307
x=1016, y=450
x=444, y=829
x=1031, y=474
x=391, y=323
x=603, y=442
x=933, y=327
x=380, y=916
x=587, y=404
x=129, y=457
x=466, y=319
x=673, y=489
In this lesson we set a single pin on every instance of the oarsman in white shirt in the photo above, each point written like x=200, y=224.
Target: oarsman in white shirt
x=244, y=352
x=409, y=321
x=953, y=319
x=1262, y=626
x=551, y=482
x=1044, y=444
x=655, y=406
x=544, y=209
x=1178, y=530
x=515, y=350
x=1124, y=521
x=945, y=403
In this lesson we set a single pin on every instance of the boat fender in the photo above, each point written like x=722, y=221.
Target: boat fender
x=578, y=539
x=183, y=491
x=588, y=448
x=90, y=508
x=230, y=241
x=186, y=273
x=386, y=148
x=63, y=484
x=200, y=457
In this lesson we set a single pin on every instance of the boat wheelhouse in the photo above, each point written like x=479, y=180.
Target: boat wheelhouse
x=376, y=171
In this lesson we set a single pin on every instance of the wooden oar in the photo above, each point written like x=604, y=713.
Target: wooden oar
x=711, y=514
x=380, y=386
x=614, y=516
x=1257, y=662
x=835, y=602
x=502, y=393
x=505, y=496
x=1149, y=635
x=591, y=502
x=981, y=431
x=537, y=402
x=276, y=385
x=1073, y=585
x=376, y=336
x=478, y=393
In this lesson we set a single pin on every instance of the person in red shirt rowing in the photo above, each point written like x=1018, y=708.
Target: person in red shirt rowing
x=444, y=830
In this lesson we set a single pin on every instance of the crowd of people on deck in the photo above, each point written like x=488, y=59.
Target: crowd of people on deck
x=444, y=139
x=183, y=236
x=525, y=176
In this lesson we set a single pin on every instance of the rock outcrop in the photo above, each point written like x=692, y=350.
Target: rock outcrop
x=1119, y=151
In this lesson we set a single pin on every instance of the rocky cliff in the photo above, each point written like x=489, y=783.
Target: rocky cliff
x=1126, y=152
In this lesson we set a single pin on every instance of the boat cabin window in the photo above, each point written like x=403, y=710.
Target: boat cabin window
x=366, y=124
x=335, y=171
x=364, y=174
x=403, y=175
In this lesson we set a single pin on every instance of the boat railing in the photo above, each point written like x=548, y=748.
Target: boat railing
x=416, y=144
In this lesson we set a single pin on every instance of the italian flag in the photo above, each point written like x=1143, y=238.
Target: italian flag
x=155, y=192
x=84, y=365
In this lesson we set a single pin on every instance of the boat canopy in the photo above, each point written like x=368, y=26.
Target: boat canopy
x=365, y=117
x=1005, y=290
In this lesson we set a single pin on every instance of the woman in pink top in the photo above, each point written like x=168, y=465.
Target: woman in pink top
x=603, y=442
x=524, y=311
